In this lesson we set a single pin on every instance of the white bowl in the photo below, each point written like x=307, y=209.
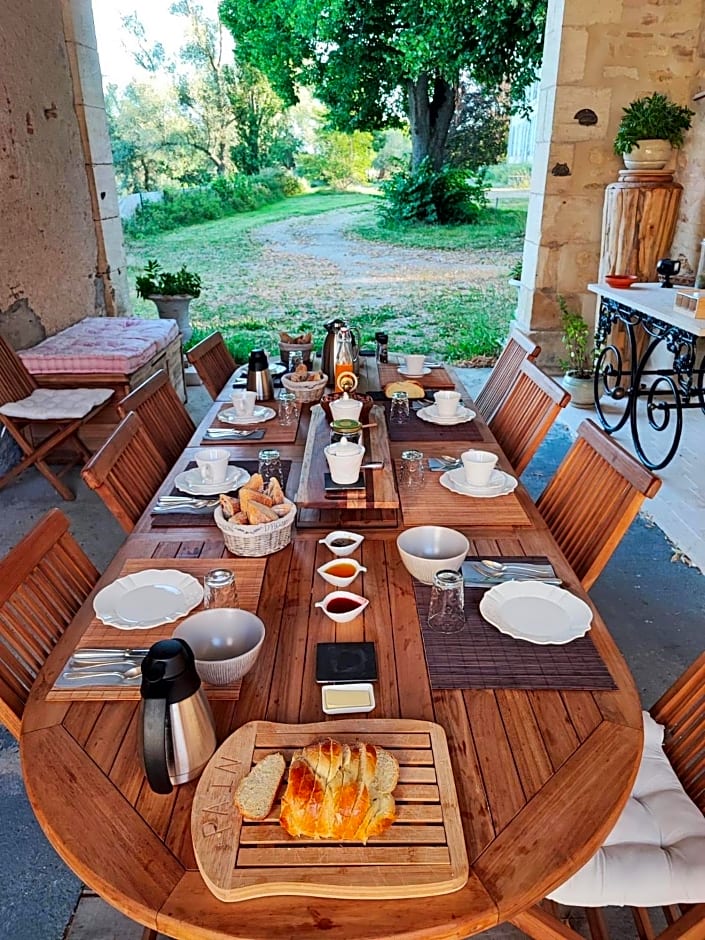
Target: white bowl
x=345, y=615
x=427, y=549
x=327, y=572
x=225, y=641
x=352, y=538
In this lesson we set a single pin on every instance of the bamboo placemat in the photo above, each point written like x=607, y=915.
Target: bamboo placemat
x=432, y=502
x=436, y=378
x=196, y=520
x=416, y=429
x=480, y=657
x=249, y=573
x=274, y=433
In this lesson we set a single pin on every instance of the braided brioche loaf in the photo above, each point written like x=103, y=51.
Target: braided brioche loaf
x=340, y=792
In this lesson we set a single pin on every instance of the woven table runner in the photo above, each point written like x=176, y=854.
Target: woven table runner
x=274, y=433
x=436, y=378
x=480, y=657
x=197, y=519
x=416, y=429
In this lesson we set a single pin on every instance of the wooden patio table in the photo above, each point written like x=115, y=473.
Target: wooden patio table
x=541, y=776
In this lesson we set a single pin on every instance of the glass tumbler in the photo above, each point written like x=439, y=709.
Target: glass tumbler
x=411, y=469
x=220, y=589
x=399, y=408
x=288, y=408
x=270, y=465
x=446, y=610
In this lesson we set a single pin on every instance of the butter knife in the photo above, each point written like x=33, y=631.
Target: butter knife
x=95, y=655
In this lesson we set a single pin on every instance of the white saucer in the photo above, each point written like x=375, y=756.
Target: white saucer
x=430, y=413
x=259, y=415
x=500, y=484
x=535, y=611
x=402, y=370
x=191, y=482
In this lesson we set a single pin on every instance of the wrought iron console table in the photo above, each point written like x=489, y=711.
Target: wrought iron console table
x=622, y=376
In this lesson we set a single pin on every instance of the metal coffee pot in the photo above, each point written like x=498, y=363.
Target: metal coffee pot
x=259, y=379
x=177, y=732
x=330, y=348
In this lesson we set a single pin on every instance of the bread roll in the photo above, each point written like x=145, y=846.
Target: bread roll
x=412, y=389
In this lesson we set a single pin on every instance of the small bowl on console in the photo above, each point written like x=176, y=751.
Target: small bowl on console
x=426, y=549
x=621, y=281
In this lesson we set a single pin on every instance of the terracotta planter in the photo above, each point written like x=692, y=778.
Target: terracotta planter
x=581, y=390
x=648, y=155
x=175, y=307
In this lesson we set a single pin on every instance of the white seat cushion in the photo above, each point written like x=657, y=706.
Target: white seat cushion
x=655, y=854
x=56, y=404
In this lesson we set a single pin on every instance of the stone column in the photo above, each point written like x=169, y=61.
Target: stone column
x=597, y=58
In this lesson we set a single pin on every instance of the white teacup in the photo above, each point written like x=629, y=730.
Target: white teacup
x=446, y=403
x=244, y=402
x=346, y=408
x=478, y=466
x=213, y=464
x=414, y=364
x=344, y=461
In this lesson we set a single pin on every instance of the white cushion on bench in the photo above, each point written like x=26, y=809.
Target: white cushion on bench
x=655, y=855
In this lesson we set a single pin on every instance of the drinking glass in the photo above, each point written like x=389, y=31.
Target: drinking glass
x=270, y=465
x=411, y=469
x=220, y=589
x=446, y=610
x=288, y=409
x=399, y=408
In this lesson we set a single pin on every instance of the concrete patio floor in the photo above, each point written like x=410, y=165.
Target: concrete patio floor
x=653, y=605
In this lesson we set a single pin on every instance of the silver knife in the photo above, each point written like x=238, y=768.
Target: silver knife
x=91, y=655
x=475, y=578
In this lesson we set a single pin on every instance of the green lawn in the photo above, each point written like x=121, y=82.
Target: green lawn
x=250, y=297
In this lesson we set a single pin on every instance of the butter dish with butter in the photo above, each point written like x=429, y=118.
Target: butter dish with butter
x=348, y=699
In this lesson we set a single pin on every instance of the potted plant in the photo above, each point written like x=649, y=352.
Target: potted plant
x=579, y=367
x=515, y=274
x=172, y=292
x=649, y=129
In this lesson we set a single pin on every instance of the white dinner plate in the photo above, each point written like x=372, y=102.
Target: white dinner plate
x=147, y=599
x=260, y=414
x=191, y=482
x=402, y=370
x=500, y=484
x=535, y=611
x=430, y=413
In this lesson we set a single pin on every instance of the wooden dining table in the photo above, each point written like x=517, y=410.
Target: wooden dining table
x=541, y=775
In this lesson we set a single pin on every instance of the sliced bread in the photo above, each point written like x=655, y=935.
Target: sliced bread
x=255, y=795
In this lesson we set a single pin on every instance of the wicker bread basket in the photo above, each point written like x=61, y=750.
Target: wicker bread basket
x=305, y=391
x=253, y=541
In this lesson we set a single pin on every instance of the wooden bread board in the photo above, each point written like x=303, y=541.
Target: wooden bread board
x=422, y=854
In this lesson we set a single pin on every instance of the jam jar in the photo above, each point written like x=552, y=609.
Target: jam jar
x=345, y=429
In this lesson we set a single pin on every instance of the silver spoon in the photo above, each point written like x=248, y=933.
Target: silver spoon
x=217, y=433
x=126, y=675
x=195, y=501
x=496, y=568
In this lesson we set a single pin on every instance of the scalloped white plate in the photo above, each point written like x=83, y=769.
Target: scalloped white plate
x=147, y=599
x=500, y=484
x=431, y=414
x=260, y=414
x=191, y=482
x=535, y=611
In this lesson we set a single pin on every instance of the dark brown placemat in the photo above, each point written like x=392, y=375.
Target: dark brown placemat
x=416, y=429
x=480, y=657
x=273, y=432
x=195, y=520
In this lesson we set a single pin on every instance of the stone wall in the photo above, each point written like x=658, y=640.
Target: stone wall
x=57, y=243
x=598, y=57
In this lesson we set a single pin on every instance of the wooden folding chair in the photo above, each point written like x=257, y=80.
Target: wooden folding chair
x=44, y=580
x=518, y=348
x=681, y=710
x=163, y=415
x=592, y=499
x=126, y=471
x=213, y=362
x=526, y=414
x=20, y=396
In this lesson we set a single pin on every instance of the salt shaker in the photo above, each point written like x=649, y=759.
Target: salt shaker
x=411, y=470
x=220, y=589
x=270, y=465
x=446, y=611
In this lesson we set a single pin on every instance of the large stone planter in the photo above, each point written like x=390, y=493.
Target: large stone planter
x=175, y=307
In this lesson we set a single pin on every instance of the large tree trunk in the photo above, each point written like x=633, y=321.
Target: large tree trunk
x=430, y=114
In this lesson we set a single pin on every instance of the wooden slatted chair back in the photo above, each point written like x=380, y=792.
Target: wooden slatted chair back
x=593, y=498
x=682, y=710
x=213, y=363
x=44, y=580
x=16, y=382
x=163, y=415
x=126, y=471
x=526, y=415
x=518, y=348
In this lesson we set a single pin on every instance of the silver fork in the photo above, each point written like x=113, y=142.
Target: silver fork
x=216, y=434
